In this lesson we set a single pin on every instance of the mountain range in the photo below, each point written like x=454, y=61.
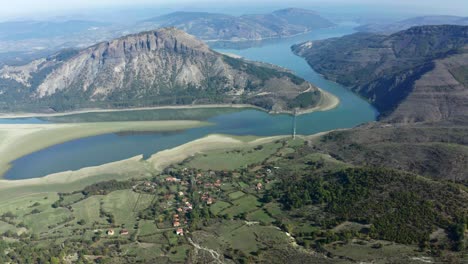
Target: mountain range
x=415, y=75
x=390, y=28
x=28, y=38
x=160, y=67
x=211, y=26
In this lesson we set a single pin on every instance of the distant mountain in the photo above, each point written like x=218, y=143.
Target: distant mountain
x=209, y=26
x=412, y=22
x=420, y=74
x=27, y=37
x=21, y=30
x=162, y=67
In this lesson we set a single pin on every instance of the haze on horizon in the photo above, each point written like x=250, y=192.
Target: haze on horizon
x=32, y=9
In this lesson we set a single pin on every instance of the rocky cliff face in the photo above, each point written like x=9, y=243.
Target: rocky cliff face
x=158, y=59
x=161, y=67
x=411, y=76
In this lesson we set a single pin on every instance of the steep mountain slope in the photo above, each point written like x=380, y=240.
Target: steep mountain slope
x=413, y=22
x=209, y=26
x=410, y=76
x=162, y=67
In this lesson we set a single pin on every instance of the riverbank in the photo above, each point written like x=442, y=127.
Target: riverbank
x=18, y=140
x=105, y=110
x=328, y=101
x=240, y=40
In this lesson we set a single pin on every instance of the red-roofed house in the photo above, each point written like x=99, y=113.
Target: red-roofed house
x=180, y=231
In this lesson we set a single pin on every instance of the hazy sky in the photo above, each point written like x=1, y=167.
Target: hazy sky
x=25, y=8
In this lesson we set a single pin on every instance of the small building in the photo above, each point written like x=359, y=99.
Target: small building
x=180, y=231
x=124, y=232
x=209, y=201
x=180, y=210
x=172, y=179
x=259, y=186
x=176, y=224
x=110, y=232
x=218, y=183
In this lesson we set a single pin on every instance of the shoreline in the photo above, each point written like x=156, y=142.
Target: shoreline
x=19, y=140
x=109, y=110
x=156, y=162
x=134, y=167
x=331, y=102
x=266, y=38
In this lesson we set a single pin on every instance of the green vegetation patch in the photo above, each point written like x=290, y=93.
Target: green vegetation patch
x=87, y=211
x=242, y=206
x=261, y=72
x=121, y=204
x=147, y=227
x=400, y=207
x=73, y=198
x=233, y=159
x=236, y=195
x=144, y=115
x=379, y=251
x=461, y=74
x=43, y=220
x=260, y=216
x=219, y=206
x=305, y=100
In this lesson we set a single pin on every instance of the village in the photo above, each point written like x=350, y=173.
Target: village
x=180, y=191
